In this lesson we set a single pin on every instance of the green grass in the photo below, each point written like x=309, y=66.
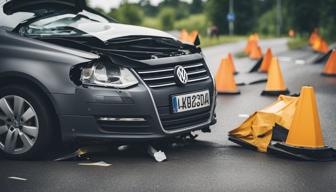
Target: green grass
x=297, y=43
x=152, y=23
x=207, y=41
x=240, y=54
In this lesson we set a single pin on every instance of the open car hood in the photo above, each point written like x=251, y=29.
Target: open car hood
x=14, y=6
x=108, y=31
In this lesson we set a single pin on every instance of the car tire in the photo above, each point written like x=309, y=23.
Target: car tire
x=29, y=121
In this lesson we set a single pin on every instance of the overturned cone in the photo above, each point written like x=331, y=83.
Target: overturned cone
x=289, y=127
x=275, y=83
x=330, y=67
x=259, y=129
x=305, y=140
x=225, y=82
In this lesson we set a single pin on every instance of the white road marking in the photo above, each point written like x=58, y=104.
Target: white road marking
x=243, y=115
x=300, y=62
x=285, y=59
x=18, y=178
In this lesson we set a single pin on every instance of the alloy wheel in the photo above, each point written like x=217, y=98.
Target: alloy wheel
x=18, y=125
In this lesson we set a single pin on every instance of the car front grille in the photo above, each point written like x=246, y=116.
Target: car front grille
x=163, y=76
x=182, y=120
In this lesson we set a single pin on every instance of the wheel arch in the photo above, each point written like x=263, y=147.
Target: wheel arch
x=26, y=80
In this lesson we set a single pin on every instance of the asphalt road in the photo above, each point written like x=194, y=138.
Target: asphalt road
x=211, y=163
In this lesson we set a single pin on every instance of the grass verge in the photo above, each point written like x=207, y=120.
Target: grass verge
x=297, y=43
x=212, y=41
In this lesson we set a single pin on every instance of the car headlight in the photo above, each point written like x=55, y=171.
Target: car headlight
x=106, y=75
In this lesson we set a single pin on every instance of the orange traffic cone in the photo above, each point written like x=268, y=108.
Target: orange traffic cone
x=233, y=67
x=305, y=140
x=193, y=37
x=256, y=53
x=266, y=63
x=313, y=37
x=184, y=35
x=330, y=67
x=275, y=83
x=324, y=48
x=317, y=44
x=225, y=82
x=250, y=46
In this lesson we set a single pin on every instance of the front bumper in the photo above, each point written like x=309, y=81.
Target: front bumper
x=81, y=113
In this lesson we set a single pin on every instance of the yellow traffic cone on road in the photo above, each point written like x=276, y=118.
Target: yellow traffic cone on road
x=193, y=37
x=266, y=63
x=184, y=35
x=275, y=83
x=330, y=67
x=313, y=37
x=256, y=53
x=304, y=140
x=225, y=82
x=233, y=67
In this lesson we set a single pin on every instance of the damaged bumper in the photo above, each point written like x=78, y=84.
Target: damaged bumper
x=133, y=114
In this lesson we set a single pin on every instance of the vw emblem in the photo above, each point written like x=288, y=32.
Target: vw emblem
x=181, y=75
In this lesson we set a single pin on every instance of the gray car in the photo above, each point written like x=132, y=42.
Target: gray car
x=69, y=73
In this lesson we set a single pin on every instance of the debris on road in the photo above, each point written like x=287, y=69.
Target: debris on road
x=159, y=156
x=123, y=147
x=257, y=130
x=289, y=127
x=82, y=153
x=18, y=178
x=77, y=155
x=97, y=164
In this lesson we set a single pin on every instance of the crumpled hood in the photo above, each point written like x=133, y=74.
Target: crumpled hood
x=108, y=31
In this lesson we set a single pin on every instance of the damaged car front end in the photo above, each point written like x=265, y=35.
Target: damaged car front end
x=100, y=80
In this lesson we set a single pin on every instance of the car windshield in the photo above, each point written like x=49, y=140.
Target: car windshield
x=65, y=25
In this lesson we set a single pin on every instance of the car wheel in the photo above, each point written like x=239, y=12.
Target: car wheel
x=26, y=124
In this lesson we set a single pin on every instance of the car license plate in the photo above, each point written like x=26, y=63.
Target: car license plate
x=190, y=101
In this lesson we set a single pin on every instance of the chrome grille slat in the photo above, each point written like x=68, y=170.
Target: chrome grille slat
x=197, y=72
x=159, y=77
x=198, y=79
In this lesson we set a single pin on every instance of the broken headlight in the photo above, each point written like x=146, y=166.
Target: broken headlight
x=107, y=75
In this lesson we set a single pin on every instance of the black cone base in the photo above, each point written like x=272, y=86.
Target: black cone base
x=242, y=143
x=275, y=93
x=328, y=75
x=300, y=153
x=323, y=58
x=229, y=93
x=256, y=66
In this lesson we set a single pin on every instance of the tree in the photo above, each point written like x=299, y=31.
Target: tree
x=148, y=8
x=128, y=13
x=167, y=18
x=196, y=6
x=216, y=12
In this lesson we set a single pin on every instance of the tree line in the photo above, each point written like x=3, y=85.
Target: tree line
x=303, y=16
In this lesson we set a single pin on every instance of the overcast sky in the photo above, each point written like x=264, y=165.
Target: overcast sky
x=108, y=4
